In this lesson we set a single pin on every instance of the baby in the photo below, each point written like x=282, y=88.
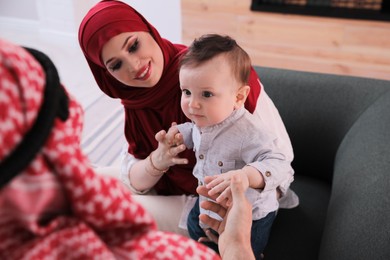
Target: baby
x=228, y=139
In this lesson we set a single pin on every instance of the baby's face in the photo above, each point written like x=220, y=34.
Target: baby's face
x=209, y=91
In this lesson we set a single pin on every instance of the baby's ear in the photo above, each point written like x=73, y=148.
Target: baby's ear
x=242, y=94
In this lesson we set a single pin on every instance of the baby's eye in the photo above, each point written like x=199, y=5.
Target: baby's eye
x=186, y=92
x=116, y=66
x=207, y=94
x=134, y=47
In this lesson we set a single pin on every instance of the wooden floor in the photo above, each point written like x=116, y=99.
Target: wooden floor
x=329, y=45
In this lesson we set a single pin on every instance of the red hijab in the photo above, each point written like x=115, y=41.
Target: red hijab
x=147, y=110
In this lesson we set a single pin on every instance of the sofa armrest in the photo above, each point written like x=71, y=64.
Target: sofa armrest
x=357, y=224
x=339, y=129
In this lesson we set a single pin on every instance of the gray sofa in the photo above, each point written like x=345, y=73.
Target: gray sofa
x=340, y=130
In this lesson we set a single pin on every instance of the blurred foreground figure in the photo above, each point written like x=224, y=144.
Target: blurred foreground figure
x=52, y=205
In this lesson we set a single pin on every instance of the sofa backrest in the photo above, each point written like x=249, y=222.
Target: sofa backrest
x=318, y=110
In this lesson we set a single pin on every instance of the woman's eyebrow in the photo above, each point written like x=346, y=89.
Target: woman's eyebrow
x=108, y=61
x=126, y=40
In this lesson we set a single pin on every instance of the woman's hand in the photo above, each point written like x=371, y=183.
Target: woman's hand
x=235, y=228
x=170, y=145
x=146, y=173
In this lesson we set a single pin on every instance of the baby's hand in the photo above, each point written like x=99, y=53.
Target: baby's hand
x=171, y=138
x=220, y=185
x=170, y=144
x=174, y=137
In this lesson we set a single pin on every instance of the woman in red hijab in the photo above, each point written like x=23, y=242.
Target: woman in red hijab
x=132, y=62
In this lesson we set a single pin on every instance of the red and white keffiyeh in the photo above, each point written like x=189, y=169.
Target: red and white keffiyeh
x=57, y=208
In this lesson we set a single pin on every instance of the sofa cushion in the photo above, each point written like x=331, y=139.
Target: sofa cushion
x=296, y=233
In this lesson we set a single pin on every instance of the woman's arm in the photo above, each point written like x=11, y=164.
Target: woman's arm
x=144, y=174
x=267, y=113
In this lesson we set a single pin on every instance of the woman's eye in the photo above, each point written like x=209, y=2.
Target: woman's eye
x=207, y=94
x=116, y=66
x=134, y=47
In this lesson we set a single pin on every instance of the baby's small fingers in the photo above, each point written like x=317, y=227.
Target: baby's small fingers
x=209, y=180
x=160, y=136
x=225, y=195
x=170, y=140
x=217, y=186
x=178, y=139
x=172, y=131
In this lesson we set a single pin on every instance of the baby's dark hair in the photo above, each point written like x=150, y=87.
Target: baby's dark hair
x=209, y=46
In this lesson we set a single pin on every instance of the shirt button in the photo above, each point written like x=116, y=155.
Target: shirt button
x=201, y=156
x=267, y=173
x=220, y=163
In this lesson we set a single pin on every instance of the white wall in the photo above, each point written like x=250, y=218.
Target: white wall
x=59, y=18
x=27, y=10
x=165, y=15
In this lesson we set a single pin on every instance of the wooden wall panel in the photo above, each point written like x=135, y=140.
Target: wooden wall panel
x=340, y=46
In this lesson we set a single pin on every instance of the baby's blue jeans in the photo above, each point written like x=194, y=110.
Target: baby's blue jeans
x=259, y=234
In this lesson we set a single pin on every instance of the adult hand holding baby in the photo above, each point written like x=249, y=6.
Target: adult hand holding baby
x=235, y=228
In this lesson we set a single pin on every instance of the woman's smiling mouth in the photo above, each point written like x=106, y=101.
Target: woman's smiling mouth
x=143, y=73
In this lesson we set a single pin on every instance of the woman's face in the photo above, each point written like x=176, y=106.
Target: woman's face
x=134, y=58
